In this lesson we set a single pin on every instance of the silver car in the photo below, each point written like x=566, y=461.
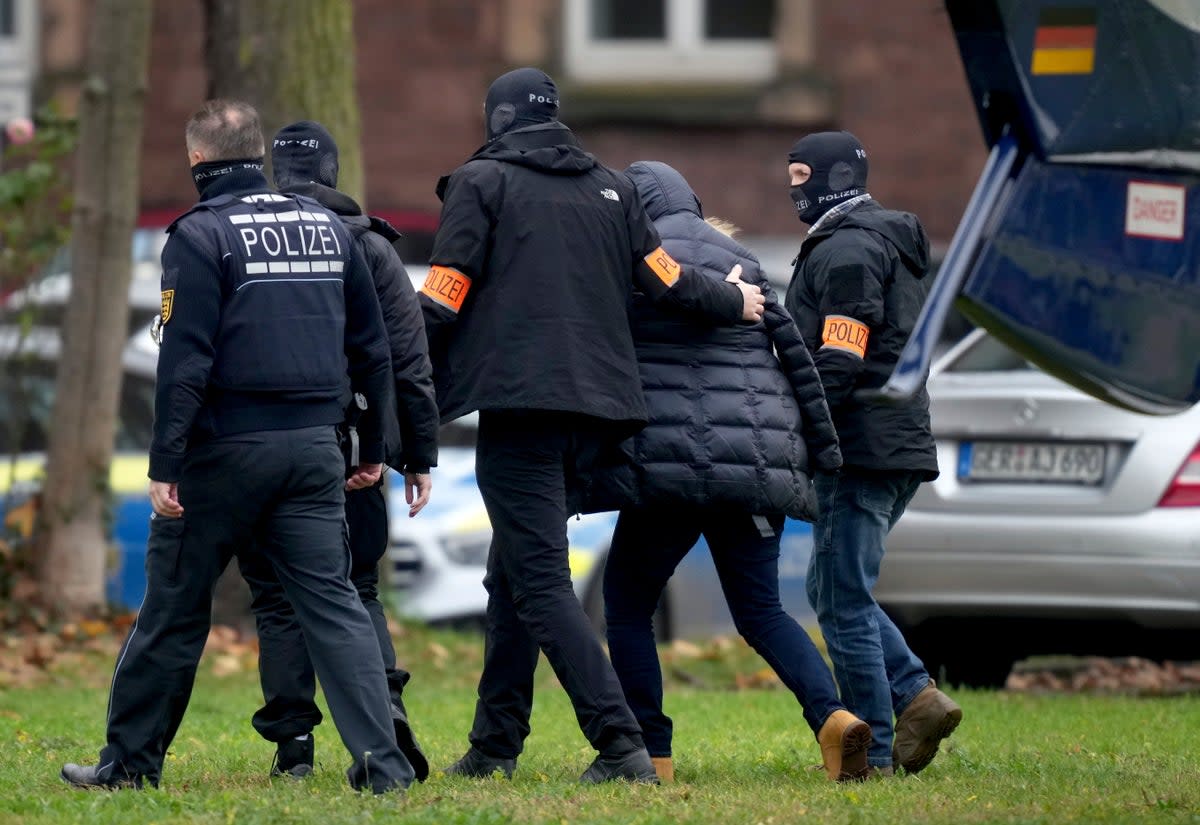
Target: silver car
x=1059, y=524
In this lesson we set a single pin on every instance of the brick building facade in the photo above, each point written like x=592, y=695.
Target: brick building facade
x=723, y=111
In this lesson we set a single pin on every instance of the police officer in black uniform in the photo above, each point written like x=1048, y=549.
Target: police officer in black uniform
x=526, y=304
x=304, y=161
x=264, y=301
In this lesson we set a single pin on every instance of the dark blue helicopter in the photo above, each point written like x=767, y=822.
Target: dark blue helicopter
x=1080, y=247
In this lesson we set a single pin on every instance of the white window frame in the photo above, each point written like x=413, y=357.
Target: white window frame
x=18, y=61
x=685, y=55
x=19, y=46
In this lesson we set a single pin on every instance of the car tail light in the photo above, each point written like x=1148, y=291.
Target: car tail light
x=1185, y=487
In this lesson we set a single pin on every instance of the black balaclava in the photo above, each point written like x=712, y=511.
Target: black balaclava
x=839, y=172
x=522, y=97
x=304, y=152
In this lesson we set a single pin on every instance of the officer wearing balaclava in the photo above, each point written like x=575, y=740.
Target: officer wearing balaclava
x=837, y=171
x=304, y=162
x=537, y=252
x=857, y=288
x=523, y=97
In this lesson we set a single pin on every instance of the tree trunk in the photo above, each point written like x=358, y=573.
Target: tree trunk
x=73, y=537
x=291, y=61
x=295, y=61
x=221, y=49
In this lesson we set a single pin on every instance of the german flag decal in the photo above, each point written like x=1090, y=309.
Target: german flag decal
x=1065, y=42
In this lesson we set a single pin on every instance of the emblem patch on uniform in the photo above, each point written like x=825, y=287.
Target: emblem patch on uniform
x=664, y=266
x=168, y=303
x=845, y=333
x=446, y=286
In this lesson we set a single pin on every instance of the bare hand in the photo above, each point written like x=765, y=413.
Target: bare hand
x=364, y=476
x=753, y=301
x=421, y=484
x=164, y=498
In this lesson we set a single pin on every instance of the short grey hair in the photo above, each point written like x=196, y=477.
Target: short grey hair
x=225, y=130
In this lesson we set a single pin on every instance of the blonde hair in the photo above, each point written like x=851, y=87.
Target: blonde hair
x=723, y=226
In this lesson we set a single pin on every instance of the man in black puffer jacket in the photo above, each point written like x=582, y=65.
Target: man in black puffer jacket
x=526, y=304
x=858, y=286
x=304, y=159
x=733, y=432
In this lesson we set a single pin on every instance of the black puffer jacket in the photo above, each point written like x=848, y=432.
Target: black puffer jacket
x=867, y=269
x=730, y=425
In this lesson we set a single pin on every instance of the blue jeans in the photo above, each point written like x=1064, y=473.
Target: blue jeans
x=877, y=673
x=647, y=546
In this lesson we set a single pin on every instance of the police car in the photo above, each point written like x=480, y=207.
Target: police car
x=26, y=396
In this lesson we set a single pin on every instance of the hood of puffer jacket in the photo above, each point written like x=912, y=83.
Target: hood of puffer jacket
x=663, y=190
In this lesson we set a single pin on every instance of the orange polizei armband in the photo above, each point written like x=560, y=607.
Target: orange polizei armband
x=446, y=286
x=844, y=333
x=664, y=266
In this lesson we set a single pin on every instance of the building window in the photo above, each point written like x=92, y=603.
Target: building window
x=629, y=20
x=8, y=23
x=670, y=40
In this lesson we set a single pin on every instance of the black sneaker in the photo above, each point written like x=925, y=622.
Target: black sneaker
x=625, y=761
x=408, y=743
x=88, y=777
x=478, y=765
x=294, y=758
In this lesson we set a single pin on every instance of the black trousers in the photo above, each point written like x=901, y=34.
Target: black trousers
x=284, y=666
x=526, y=464
x=278, y=493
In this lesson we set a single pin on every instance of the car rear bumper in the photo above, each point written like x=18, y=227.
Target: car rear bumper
x=1142, y=568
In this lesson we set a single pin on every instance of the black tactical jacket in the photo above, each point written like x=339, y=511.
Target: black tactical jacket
x=856, y=291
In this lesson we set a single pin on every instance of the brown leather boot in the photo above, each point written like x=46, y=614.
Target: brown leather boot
x=664, y=768
x=928, y=719
x=844, y=740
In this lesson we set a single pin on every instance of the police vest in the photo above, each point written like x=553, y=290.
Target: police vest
x=283, y=314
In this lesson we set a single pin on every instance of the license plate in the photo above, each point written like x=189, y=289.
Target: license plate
x=1066, y=463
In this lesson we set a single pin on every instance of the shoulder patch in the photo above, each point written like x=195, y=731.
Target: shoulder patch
x=168, y=303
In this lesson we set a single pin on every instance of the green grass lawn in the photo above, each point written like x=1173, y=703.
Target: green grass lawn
x=741, y=757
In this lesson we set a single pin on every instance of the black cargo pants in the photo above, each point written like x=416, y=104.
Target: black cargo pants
x=279, y=493
x=285, y=668
x=527, y=465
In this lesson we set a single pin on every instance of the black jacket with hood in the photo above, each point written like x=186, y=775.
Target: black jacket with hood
x=868, y=265
x=737, y=414
x=410, y=431
x=533, y=266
